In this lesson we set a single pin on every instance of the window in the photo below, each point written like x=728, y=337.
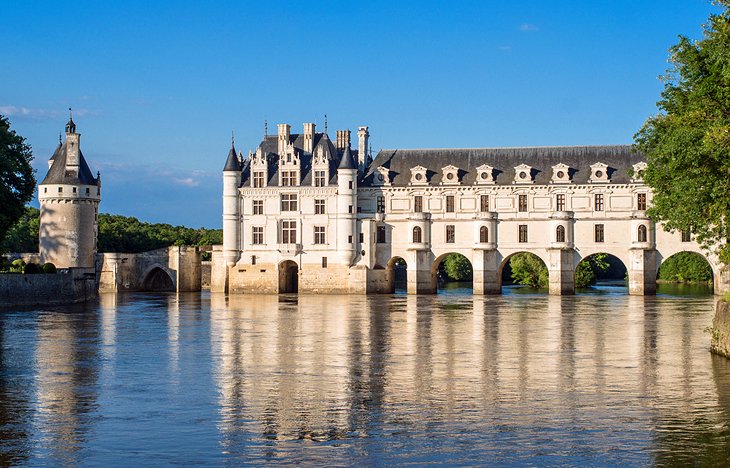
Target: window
x=380, y=235
x=522, y=203
x=560, y=202
x=349, y=209
x=598, y=202
x=349, y=184
x=324, y=262
x=417, y=235
x=522, y=233
x=641, y=201
x=288, y=202
x=560, y=234
x=60, y=189
x=257, y=235
x=258, y=207
x=289, y=232
x=483, y=234
x=450, y=234
x=318, y=206
x=253, y=259
x=418, y=204
x=87, y=190
x=381, y=204
x=642, y=233
x=258, y=179
x=362, y=237
x=74, y=190
x=319, y=178
x=686, y=236
x=449, y=203
x=484, y=203
x=349, y=239
x=319, y=235
x=598, y=231
x=288, y=178
x=45, y=189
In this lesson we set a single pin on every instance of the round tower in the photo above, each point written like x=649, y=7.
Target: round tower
x=347, y=240
x=231, y=208
x=69, y=198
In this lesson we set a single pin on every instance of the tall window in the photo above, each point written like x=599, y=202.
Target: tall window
x=450, y=234
x=288, y=232
x=483, y=203
x=560, y=202
x=598, y=202
x=258, y=179
x=641, y=201
x=288, y=178
x=642, y=233
x=522, y=232
x=319, y=178
x=686, y=236
x=324, y=262
x=598, y=231
x=449, y=203
x=560, y=234
x=522, y=203
x=381, y=204
x=257, y=235
x=483, y=234
x=380, y=235
x=318, y=206
x=319, y=235
x=258, y=207
x=417, y=235
x=418, y=204
x=288, y=202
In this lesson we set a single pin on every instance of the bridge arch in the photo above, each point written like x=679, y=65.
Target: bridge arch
x=505, y=270
x=288, y=277
x=617, y=270
x=436, y=279
x=397, y=274
x=157, y=278
x=665, y=268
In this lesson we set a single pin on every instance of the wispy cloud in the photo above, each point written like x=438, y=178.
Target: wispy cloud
x=36, y=113
x=126, y=173
x=505, y=48
x=527, y=27
x=187, y=182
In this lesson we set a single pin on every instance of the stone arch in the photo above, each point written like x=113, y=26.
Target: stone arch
x=713, y=270
x=618, y=268
x=397, y=274
x=157, y=278
x=288, y=277
x=436, y=280
x=506, y=259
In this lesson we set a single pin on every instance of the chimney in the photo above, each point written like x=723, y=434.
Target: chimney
x=309, y=137
x=72, y=150
x=362, y=147
x=284, y=132
x=343, y=140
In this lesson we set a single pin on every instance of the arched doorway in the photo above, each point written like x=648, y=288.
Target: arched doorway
x=685, y=273
x=601, y=272
x=157, y=280
x=397, y=269
x=524, y=273
x=453, y=273
x=288, y=277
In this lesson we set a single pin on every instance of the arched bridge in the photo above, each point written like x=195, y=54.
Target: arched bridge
x=167, y=269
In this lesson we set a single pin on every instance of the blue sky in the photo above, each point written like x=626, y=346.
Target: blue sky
x=157, y=87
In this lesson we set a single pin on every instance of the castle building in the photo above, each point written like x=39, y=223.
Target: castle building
x=69, y=199
x=302, y=213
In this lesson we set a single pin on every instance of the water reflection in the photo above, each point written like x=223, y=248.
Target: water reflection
x=453, y=378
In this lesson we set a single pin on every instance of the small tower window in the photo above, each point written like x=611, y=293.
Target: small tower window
x=417, y=235
x=560, y=234
x=642, y=233
x=483, y=234
x=74, y=190
x=87, y=190
x=60, y=189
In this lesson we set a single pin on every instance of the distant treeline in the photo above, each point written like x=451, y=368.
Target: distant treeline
x=116, y=234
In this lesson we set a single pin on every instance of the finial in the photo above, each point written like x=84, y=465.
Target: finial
x=70, y=114
x=266, y=128
x=325, y=123
x=59, y=138
x=233, y=139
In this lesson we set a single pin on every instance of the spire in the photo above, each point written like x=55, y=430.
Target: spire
x=346, y=162
x=60, y=142
x=233, y=139
x=232, y=162
x=325, y=123
x=70, y=126
x=266, y=128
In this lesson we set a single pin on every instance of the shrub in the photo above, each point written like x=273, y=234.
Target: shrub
x=457, y=267
x=17, y=265
x=685, y=266
x=48, y=268
x=529, y=270
x=31, y=269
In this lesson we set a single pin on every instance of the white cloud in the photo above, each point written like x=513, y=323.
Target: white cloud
x=187, y=182
x=527, y=27
x=31, y=113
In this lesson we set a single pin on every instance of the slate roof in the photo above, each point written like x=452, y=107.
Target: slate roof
x=232, y=162
x=58, y=174
x=346, y=161
x=619, y=158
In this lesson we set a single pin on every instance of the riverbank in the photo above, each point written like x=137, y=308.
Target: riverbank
x=721, y=329
x=68, y=286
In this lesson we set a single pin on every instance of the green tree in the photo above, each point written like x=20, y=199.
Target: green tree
x=685, y=267
x=457, y=267
x=528, y=269
x=17, y=182
x=587, y=270
x=688, y=142
x=23, y=235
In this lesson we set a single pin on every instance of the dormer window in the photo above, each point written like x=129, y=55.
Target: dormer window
x=523, y=174
x=381, y=176
x=599, y=173
x=485, y=174
x=561, y=174
x=638, y=172
x=418, y=176
x=450, y=175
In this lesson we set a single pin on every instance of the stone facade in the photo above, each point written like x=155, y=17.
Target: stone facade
x=68, y=286
x=303, y=213
x=176, y=268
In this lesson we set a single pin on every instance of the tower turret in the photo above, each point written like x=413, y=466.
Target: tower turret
x=346, y=208
x=231, y=214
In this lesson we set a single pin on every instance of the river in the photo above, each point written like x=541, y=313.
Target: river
x=525, y=379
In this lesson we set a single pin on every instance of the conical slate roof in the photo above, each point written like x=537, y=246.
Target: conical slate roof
x=347, y=162
x=58, y=174
x=232, y=163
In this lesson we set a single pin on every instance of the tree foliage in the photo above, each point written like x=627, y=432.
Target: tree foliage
x=685, y=267
x=17, y=181
x=457, y=267
x=587, y=271
x=528, y=269
x=687, y=144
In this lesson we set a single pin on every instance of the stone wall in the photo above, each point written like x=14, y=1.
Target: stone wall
x=205, y=274
x=65, y=287
x=721, y=330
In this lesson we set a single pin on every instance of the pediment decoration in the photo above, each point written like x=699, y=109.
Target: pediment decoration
x=599, y=173
x=418, y=176
x=485, y=174
x=523, y=174
x=561, y=174
x=638, y=172
x=450, y=175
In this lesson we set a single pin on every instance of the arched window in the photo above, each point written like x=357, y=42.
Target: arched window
x=642, y=233
x=416, y=235
x=560, y=234
x=483, y=234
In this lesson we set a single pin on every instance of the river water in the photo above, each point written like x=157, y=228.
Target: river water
x=523, y=379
